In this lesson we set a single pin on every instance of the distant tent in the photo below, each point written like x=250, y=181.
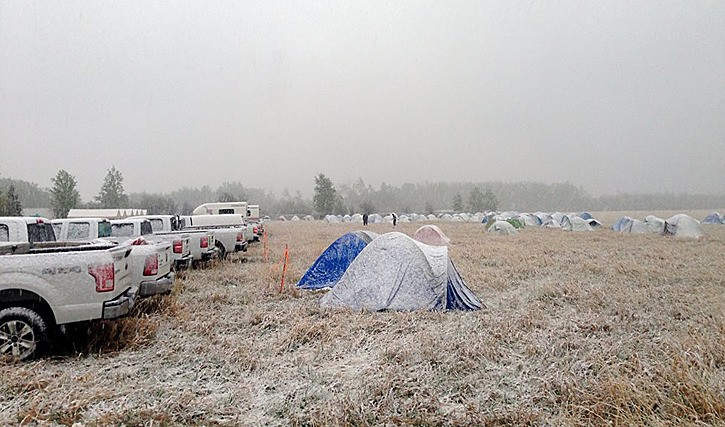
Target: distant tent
x=432, y=217
x=281, y=218
x=332, y=219
x=395, y=272
x=550, y=222
x=431, y=235
x=683, y=226
x=295, y=218
x=635, y=226
x=529, y=220
x=714, y=218
x=575, y=224
x=654, y=224
x=309, y=218
x=502, y=228
x=375, y=219
x=332, y=263
x=357, y=218
x=593, y=222
x=620, y=223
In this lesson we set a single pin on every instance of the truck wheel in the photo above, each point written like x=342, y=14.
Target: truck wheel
x=22, y=333
x=222, y=251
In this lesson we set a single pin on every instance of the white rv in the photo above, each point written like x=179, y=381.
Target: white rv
x=221, y=208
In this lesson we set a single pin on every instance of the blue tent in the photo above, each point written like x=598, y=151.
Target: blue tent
x=714, y=218
x=331, y=265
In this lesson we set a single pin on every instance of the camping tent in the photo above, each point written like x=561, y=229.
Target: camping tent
x=656, y=225
x=621, y=223
x=395, y=272
x=714, y=218
x=683, y=226
x=575, y=223
x=431, y=235
x=332, y=263
x=502, y=228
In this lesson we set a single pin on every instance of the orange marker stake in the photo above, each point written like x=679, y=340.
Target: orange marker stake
x=285, y=259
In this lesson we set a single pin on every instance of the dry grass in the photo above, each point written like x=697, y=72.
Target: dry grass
x=580, y=329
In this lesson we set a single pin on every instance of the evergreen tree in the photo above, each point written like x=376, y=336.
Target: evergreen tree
x=64, y=194
x=326, y=200
x=457, y=203
x=475, y=200
x=12, y=202
x=490, y=201
x=111, y=194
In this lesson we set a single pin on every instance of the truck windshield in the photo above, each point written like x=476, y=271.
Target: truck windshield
x=122, y=230
x=104, y=229
x=40, y=232
x=4, y=233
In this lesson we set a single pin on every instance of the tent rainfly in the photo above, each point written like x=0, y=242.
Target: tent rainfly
x=431, y=235
x=332, y=263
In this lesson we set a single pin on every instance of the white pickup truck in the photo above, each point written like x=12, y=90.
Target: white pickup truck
x=150, y=265
x=229, y=231
x=130, y=228
x=25, y=229
x=43, y=288
x=201, y=242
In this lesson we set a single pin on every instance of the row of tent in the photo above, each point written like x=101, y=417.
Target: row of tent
x=680, y=225
x=391, y=271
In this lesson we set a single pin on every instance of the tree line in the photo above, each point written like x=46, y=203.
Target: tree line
x=343, y=198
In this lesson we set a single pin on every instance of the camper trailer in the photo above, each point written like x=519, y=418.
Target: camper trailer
x=221, y=208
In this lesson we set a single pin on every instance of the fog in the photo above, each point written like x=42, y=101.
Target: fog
x=612, y=96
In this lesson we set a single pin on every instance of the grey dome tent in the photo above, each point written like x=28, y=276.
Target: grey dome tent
x=395, y=272
x=683, y=226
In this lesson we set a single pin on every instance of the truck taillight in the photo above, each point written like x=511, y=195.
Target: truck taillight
x=104, y=275
x=240, y=237
x=151, y=265
x=256, y=230
x=204, y=242
x=178, y=246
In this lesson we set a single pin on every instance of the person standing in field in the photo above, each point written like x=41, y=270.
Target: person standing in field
x=365, y=219
x=395, y=219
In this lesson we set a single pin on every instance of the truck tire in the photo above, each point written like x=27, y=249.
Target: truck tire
x=23, y=333
x=222, y=251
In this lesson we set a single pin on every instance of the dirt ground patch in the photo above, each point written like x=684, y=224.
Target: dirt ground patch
x=591, y=328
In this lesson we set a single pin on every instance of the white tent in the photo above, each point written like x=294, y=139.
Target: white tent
x=395, y=272
x=683, y=226
x=502, y=228
x=575, y=223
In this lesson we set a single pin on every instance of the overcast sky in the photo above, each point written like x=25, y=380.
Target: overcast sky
x=614, y=96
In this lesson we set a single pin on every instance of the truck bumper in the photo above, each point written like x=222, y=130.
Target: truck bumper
x=119, y=306
x=241, y=247
x=162, y=285
x=210, y=254
x=183, y=262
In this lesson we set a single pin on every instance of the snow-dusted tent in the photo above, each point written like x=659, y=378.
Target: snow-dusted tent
x=332, y=263
x=431, y=235
x=309, y=218
x=575, y=224
x=395, y=272
x=683, y=226
x=635, y=226
x=502, y=228
x=332, y=219
x=714, y=218
x=654, y=224
x=621, y=223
